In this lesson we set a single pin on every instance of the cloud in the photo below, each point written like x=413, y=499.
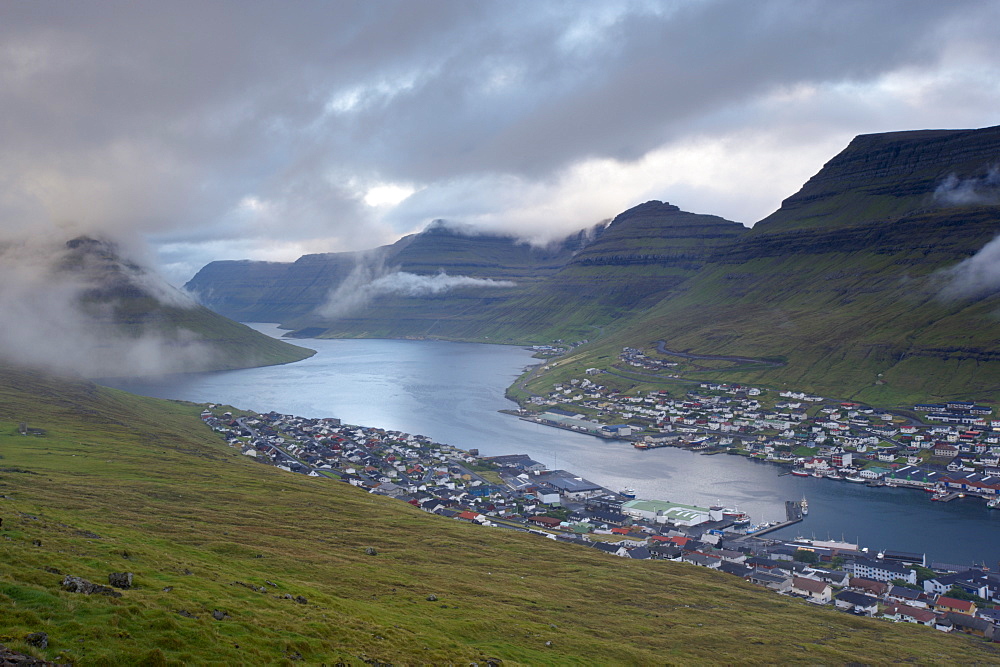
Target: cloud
x=60, y=314
x=370, y=279
x=241, y=129
x=981, y=190
x=975, y=277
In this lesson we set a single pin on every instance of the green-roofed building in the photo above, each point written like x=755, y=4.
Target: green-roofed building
x=662, y=511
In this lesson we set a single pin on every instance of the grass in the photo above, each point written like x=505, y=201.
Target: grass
x=121, y=483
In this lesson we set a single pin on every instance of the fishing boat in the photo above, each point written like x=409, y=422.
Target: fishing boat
x=800, y=472
x=833, y=475
x=993, y=503
x=854, y=478
x=736, y=516
x=627, y=492
x=805, y=505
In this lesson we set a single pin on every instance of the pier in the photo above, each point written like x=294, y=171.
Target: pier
x=793, y=515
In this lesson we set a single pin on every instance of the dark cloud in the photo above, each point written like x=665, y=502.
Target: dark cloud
x=220, y=127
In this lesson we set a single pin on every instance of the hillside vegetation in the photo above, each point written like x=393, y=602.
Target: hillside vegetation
x=119, y=483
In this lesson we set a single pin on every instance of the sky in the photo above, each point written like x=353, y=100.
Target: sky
x=206, y=130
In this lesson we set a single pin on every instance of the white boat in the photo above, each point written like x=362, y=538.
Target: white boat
x=993, y=503
x=627, y=492
x=805, y=505
x=854, y=478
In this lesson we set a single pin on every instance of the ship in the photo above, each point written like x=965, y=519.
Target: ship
x=627, y=492
x=805, y=506
x=854, y=478
x=736, y=516
x=993, y=503
x=800, y=472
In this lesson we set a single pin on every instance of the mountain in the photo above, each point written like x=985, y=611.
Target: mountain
x=84, y=307
x=234, y=562
x=856, y=283
x=570, y=289
x=857, y=286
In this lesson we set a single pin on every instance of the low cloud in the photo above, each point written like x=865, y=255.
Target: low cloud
x=982, y=190
x=371, y=279
x=61, y=314
x=975, y=277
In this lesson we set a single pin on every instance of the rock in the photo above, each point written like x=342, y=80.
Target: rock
x=52, y=570
x=36, y=543
x=185, y=613
x=432, y=598
x=370, y=551
x=167, y=589
x=549, y=644
x=80, y=585
x=301, y=600
x=8, y=657
x=39, y=639
x=120, y=579
x=219, y=615
x=270, y=583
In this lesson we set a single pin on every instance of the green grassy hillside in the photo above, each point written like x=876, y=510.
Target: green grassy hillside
x=120, y=483
x=845, y=282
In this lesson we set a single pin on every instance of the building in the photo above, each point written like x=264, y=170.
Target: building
x=815, y=591
x=878, y=570
x=661, y=511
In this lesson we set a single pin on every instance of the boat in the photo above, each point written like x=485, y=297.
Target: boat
x=993, y=503
x=805, y=506
x=939, y=495
x=800, y=472
x=736, y=516
x=834, y=476
x=854, y=478
x=627, y=492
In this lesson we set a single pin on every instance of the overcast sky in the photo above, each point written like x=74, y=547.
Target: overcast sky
x=265, y=130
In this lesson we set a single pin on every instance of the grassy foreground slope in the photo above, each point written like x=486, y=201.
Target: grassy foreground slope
x=121, y=483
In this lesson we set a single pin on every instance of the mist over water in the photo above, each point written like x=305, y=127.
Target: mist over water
x=451, y=392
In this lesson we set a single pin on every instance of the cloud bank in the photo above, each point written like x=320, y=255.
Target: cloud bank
x=983, y=190
x=370, y=279
x=254, y=129
x=59, y=315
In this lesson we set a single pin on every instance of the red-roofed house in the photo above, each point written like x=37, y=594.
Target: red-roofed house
x=945, y=603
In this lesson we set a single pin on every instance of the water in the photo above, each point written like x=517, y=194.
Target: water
x=451, y=392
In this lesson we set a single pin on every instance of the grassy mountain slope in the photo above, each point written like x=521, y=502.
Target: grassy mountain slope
x=844, y=283
x=121, y=483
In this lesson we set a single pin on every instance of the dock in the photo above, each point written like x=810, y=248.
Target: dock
x=948, y=497
x=793, y=515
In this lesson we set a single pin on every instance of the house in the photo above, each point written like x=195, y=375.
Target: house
x=856, y=603
x=907, y=596
x=954, y=605
x=870, y=586
x=775, y=582
x=979, y=627
x=907, y=614
x=815, y=591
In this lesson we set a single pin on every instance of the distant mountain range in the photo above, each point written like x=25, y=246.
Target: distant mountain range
x=852, y=282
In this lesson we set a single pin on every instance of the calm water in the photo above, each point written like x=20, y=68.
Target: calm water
x=451, y=392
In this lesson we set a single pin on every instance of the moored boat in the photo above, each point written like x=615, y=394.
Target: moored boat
x=854, y=478
x=805, y=505
x=627, y=492
x=800, y=472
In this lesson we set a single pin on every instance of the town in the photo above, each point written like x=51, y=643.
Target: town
x=517, y=493
x=951, y=449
